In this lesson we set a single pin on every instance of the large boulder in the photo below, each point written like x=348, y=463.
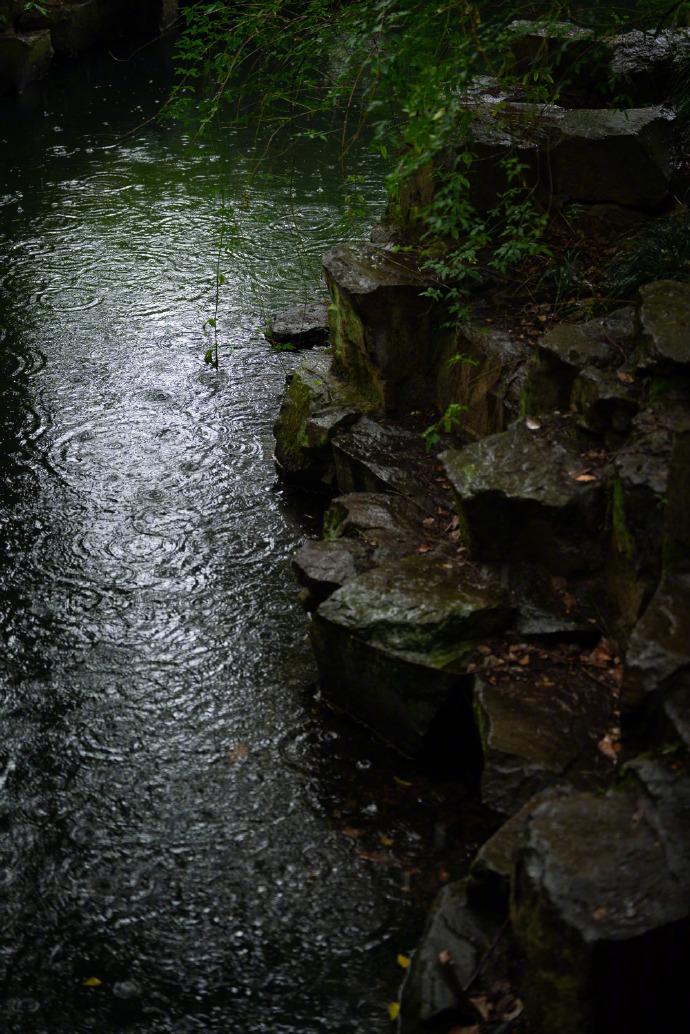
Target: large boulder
x=24, y=57
x=391, y=645
x=600, y=915
x=528, y=494
x=665, y=325
x=385, y=332
x=659, y=645
x=590, y=155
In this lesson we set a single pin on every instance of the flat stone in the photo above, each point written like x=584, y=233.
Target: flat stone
x=304, y=326
x=601, y=342
x=594, y=877
x=537, y=732
x=322, y=567
x=520, y=498
x=665, y=323
x=390, y=645
x=429, y=1001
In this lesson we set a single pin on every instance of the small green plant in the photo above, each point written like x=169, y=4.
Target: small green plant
x=212, y=354
x=462, y=359
x=450, y=421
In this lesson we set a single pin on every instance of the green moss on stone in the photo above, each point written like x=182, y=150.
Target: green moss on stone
x=349, y=352
x=622, y=539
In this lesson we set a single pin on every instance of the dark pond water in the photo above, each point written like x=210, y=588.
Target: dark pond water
x=172, y=798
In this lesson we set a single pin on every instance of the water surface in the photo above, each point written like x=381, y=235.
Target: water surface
x=172, y=801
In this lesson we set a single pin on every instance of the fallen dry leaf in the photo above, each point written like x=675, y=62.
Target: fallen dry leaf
x=585, y=477
x=239, y=753
x=424, y=548
x=609, y=748
x=350, y=831
x=532, y=424
x=403, y=961
x=625, y=378
x=599, y=913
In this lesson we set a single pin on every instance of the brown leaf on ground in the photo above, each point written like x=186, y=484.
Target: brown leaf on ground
x=609, y=748
x=350, y=831
x=424, y=548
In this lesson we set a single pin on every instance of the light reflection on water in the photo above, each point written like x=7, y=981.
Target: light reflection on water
x=167, y=791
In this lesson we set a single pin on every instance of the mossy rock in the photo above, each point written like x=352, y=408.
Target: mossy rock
x=521, y=499
x=386, y=334
x=315, y=405
x=391, y=644
x=664, y=317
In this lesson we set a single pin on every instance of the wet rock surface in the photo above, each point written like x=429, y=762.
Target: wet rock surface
x=24, y=57
x=595, y=894
x=302, y=326
x=665, y=324
x=315, y=406
x=370, y=456
x=525, y=494
x=380, y=317
x=543, y=626
x=539, y=729
x=391, y=645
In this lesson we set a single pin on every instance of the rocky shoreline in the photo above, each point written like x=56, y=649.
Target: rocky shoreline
x=516, y=602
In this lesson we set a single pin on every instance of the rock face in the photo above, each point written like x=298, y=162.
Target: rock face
x=539, y=731
x=432, y=998
x=600, y=914
x=520, y=497
x=372, y=457
x=316, y=404
x=302, y=326
x=24, y=58
x=665, y=325
x=484, y=372
x=384, y=330
x=390, y=646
